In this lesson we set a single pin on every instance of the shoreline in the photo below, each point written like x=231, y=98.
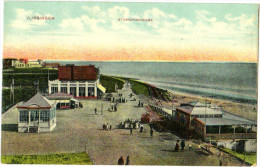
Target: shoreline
x=245, y=110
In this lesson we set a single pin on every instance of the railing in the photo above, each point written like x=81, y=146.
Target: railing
x=232, y=136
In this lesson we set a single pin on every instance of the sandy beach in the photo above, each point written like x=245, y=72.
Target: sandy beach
x=248, y=111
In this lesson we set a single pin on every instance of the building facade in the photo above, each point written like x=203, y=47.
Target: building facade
x=209, y=121
x=79, y=81
x=38, y=114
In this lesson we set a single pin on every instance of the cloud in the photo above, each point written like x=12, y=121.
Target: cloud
x=23, y=21
x=202, y=15
x=154, y=13
x=94, y=11
x=243, y=20
x=74, y=24
x=117, y=11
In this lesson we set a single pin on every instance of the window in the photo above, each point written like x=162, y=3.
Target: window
x=34, y=116
x=91, y=91
x=63, y=89
x=54, y=89
x=45, y=116
x=82, y=91
x=73, y=91
x=23, y=116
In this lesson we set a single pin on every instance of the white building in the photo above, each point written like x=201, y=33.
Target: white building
x=79, y=81
x=37, y=115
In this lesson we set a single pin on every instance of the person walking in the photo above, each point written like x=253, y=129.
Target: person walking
x=177, y=146
x=141, y=128
x=220, y=162
x=131, y=131
x=151, y=133
x=107, y=127
x=127, y=161
x=182, y=144
x=95, y=110
x=190, y=147
x=121, y=161
x=110, y=127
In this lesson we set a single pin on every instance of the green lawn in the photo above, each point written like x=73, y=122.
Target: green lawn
x=62, y=158
x=109, y=83
x=139, y=87
x=249, y=157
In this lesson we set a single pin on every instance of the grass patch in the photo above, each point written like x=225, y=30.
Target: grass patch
x=62, y=158
x=109, y=83
x=139, y=87
x=249, y=157
x=28, y=79
x=21, y=94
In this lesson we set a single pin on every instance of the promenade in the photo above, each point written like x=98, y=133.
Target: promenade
x=80, y=130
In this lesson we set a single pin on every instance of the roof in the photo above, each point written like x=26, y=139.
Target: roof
x=87, y=72
x=168, y=111
x=56, y=65
x=224, y=121
x=186, y=109
x=197, y=104
x=227, y=119
x=197, y=108
x=56, y=96
x=37, y=101
x=205, y=111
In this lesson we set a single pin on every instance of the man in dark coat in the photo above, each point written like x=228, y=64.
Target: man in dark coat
x=127, y=161
x=131, y=131
x=151, y=133
x=121, y=161
x=182, y=144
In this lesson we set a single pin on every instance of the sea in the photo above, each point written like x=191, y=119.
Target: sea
x=221, y=80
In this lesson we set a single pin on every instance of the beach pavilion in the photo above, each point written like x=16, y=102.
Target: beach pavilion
x=38, y=114
x=80, y=81
x=209, y=121
x=229, y=126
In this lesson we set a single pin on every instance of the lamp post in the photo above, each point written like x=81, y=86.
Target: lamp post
x=101, y=108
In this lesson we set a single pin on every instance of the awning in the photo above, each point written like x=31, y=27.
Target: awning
x=75, y=100
x=65, y=101
x=60, y=101
x=101, y=88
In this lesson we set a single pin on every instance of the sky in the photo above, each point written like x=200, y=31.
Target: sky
x=96, y=31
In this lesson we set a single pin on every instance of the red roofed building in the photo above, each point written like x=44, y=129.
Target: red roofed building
x=79, y=81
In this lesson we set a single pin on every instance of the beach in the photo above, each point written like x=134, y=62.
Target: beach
x=248, y=111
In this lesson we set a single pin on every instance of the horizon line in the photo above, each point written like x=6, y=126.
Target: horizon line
x=153, y=61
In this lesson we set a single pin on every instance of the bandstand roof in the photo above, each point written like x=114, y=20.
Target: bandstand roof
x=37, y=101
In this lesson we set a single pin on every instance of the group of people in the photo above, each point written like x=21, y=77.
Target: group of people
x=140, y=104
x=141, y=130
x=114, y=107
x=107, y=127
x=122, y=162
x=177, y=146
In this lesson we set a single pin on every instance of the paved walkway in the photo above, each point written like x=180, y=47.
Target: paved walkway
x=80, y=130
